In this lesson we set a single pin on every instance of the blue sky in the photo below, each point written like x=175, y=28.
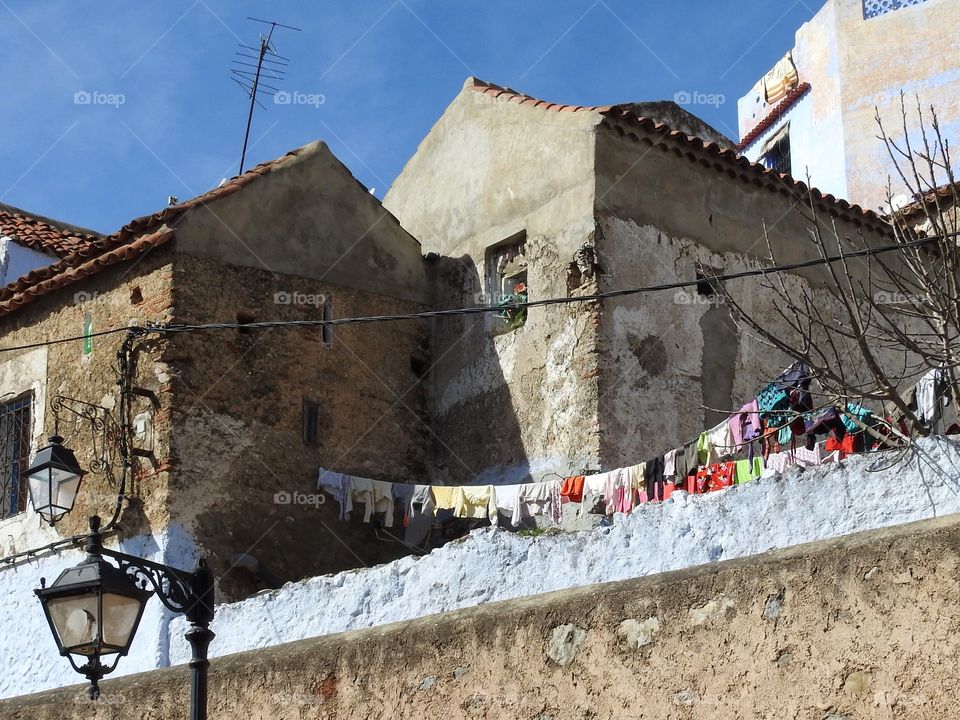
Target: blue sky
x=165, y=119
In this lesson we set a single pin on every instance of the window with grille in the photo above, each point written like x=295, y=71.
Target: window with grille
x=775, y=152
x=876, y=8
x=14, y=454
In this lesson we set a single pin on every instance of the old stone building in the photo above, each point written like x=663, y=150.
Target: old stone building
x=815, y=111
x=594, y=199
x=507, y=197
x=225, y=422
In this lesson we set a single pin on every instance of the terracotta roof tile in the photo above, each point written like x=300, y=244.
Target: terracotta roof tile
x=621, y=118
x=43, y=235
x=774, y=115
x=131, y=241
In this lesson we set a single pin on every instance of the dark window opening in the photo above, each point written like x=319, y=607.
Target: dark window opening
x=775, y=152
x=311, y=422
x=706, y=286
x=136, y=295
x=14, y=454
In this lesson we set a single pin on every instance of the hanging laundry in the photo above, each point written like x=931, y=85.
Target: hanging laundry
x=932, y=394
x=860, y=413
x=691, y=458
x=747, y=470
x=654, y=478
x=541, y=498
x=476, y=502
x=508, y=499
x=376, y=496
x=670, y=464
x=771, y=402
x=679, y=466
x=601, y=484
x=423, y=498
x=745, y=424
x=402, y=495
x=445, y=496
x=572, y=488
x=719, y=443
x=823, y=422
x=338, y=485
x=624, y=497
x=777, y=463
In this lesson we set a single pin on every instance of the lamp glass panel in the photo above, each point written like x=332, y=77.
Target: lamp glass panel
x=65, y=485
x=75, y=618
x=40, y=488
x=120, y=615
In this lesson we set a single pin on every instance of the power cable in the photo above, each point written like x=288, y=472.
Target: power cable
x=483, y=309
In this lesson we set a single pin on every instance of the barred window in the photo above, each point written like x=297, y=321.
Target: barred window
x=14, y=454
x=876, y=8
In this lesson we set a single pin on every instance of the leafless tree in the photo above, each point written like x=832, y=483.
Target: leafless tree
x=870, y=323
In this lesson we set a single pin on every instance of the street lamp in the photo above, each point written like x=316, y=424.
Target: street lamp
x=53, y=479
x=94, y=608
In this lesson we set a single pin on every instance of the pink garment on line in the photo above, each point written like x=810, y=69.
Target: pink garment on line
x=745, y=424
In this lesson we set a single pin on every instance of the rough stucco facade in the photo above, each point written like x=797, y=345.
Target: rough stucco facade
x=859, y=627
x=857, y=64
x=589, y=385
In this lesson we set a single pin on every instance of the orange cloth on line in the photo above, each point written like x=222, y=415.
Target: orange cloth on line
x=572, y=488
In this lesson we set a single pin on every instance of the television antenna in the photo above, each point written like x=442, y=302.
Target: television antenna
x=267, y=64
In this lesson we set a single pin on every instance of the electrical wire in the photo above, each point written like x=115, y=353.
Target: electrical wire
x=484, y=309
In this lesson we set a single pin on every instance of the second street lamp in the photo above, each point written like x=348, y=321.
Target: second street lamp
x=53, y=480
x=95, y=607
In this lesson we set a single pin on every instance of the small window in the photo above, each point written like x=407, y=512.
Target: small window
x=311, y=422
x=14, y=454
x=775, y=152
x=506, y=279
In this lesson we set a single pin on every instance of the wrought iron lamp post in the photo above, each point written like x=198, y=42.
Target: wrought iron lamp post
x=95, y=607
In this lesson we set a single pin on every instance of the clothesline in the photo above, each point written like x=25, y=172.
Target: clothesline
x=720, y=457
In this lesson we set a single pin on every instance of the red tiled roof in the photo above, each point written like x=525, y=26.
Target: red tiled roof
x=725, y=160
x=130, y=242
x=45, y=236
x=761, y=127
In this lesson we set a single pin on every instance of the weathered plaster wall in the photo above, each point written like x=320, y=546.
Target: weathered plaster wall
x=238, y=445
x=487, y=171
x=858, y=627
x=913, y=50
x=311, y=218
x=661, y=214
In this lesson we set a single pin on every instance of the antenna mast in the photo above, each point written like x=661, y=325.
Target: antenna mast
x=269, y=66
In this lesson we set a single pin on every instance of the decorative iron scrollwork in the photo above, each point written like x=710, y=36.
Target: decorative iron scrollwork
x=174, y=589
x=104, y=431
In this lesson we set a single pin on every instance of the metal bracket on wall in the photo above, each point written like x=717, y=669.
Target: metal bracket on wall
x=104, y=430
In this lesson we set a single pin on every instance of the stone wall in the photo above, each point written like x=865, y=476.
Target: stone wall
x=673, y=363
x=245, y=478
x=861, y=627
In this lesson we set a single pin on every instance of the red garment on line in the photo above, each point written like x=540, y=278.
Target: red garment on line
x=572, y=488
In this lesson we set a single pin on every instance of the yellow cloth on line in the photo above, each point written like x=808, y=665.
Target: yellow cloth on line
x=477, y=502
x=445, y=497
